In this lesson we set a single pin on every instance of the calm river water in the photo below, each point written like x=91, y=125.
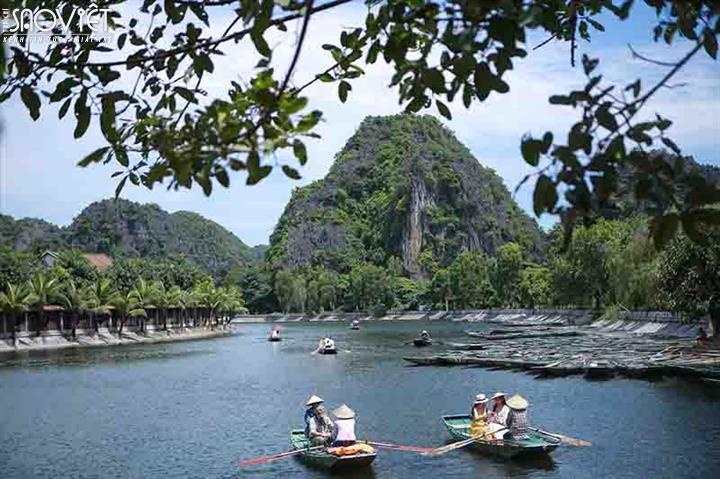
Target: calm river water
x=193, y=409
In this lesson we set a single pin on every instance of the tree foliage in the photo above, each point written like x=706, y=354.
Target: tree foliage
x=160, y=127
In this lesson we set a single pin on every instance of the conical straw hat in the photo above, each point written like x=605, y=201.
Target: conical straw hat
x=517, y=402
x=344, y=412
x=314, y=400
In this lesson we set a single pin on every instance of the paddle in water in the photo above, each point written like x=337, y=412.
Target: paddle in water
x=571, y=441
x=274, y=457
x=397, y=447
x=460, y=444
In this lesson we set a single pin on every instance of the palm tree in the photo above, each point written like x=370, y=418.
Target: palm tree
x=161, y=301
x=176, y=300
x=73, y=299
x=101, y=296
x=126, y=307
x=45, y=292
x=15, y=300
x=142, y=297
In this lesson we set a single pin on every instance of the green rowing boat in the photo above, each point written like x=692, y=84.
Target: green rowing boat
x=322, y=459
x=459, y=427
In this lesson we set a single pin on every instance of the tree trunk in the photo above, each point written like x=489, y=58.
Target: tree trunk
x=714, y=322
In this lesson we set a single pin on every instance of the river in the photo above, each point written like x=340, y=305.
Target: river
x=194, y=409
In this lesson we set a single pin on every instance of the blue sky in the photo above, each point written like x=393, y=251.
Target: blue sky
x=38, y=176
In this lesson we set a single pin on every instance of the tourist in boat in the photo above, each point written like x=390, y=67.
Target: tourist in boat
x=517, y=419
x=319, y=428
x=344, y=427
x=326, y=344
x=497, y=417
x=478, y=416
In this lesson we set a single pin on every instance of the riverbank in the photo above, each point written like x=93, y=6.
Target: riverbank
x=51, y=340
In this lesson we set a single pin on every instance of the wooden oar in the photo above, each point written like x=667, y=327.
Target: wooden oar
x=465, y=442
x=397, y=447
x=262, y=460
x=565, y=439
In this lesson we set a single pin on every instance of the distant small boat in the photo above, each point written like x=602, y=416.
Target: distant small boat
x=420, y=342
x=274, y=338
x=330, y=350
x=321, y=458
x=459, y=428
x=355, y=324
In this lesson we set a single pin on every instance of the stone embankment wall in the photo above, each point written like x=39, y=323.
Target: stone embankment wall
x=642, y=322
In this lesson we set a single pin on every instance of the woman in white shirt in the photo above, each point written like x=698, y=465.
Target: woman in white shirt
x=344, y=427
x=498, y=415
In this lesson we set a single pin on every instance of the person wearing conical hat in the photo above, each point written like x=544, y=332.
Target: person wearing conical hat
x=497, y=417
x=344, y=427
x=319, y=428
x=517, y=420
x=478, y=416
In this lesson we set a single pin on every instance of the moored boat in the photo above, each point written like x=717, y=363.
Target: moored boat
x=321, y=458
x=459, y=427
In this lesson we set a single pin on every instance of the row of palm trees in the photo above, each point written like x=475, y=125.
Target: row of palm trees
x=43, y=297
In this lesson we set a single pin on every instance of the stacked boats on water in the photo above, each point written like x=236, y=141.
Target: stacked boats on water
x=553, y=348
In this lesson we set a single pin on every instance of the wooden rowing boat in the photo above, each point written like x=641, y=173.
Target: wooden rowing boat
x=459, y=427
x=420, y=342
x=322, y=459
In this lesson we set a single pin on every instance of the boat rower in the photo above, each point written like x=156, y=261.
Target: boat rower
x=344, y=427
x=425, y=335
x=319, y=428
x=517, y=419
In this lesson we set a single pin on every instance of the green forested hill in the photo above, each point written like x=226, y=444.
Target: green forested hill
x=403, y=186
x=125, y=229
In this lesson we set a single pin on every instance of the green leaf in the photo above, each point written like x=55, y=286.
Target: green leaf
x=300, y=151
x=545, y=196
x=291, y=172
x=260, y=44
x=670, y=144
x=343, y=89
x=710, y=43
x=186, y=94
x=255, y=175
x=605, y=118
x=443, y=109
x=120, y=187
x=222, y=176
x=31, y=101
x=64, y=108
x=107, y=119
x=531, y=149
x=82, y=115
x=93, y=157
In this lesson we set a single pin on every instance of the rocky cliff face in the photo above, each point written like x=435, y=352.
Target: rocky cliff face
x=403, y=186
